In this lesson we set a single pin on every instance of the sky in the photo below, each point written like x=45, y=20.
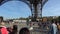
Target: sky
x=16, y=9
x=51, y=8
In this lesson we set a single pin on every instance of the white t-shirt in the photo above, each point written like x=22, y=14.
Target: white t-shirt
x=54, y=28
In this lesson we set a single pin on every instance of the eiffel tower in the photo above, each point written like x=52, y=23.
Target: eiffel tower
x=36, y=7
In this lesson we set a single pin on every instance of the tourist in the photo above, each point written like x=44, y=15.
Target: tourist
x=24, y=31
x=15, y=29
x=58, y=26
x=54, y=25
x=3, y=29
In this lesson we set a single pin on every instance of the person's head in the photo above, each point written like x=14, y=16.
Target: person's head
x=15, y=27
x=24, y=31
x=1, y=19
x=53, y=21
x=2, y=23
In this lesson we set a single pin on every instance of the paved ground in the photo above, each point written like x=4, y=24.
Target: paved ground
x=21, y=25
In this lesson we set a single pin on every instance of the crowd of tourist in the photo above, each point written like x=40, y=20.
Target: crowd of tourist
x=54, y=28
x=11, y=30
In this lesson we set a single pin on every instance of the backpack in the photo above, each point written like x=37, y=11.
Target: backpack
x=0, y=30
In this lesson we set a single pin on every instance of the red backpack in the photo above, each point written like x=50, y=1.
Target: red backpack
x=0, y=30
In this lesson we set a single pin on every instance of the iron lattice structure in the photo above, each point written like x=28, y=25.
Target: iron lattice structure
x=35, y=6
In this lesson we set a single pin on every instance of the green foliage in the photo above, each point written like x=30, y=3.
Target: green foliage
x=59, y=18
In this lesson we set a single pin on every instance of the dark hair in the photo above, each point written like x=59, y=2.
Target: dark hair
x=24, y=31
x=1, y=18
x=54, y=21
x=15, y=27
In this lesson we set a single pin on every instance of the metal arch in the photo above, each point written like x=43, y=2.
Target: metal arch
x=4, y=2
x=42, y=2
x=25, y=1
x=28, y=3
x=45, y=2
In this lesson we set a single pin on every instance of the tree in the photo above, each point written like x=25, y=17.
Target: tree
x=59, y=18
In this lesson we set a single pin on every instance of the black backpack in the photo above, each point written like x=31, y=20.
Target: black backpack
x=0, y=30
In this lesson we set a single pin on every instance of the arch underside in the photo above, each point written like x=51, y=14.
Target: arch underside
x=25, y=1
